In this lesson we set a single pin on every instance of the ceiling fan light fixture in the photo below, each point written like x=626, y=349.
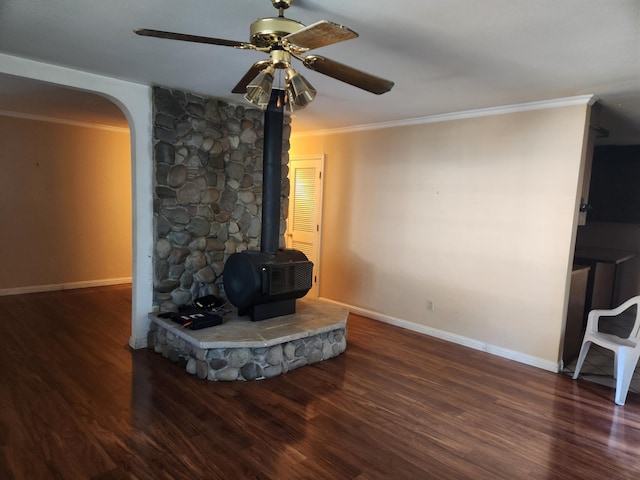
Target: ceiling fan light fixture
x=283, y=38
x=259, y=89
x=300, y=92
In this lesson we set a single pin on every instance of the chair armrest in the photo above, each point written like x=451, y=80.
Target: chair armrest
x=594, y=315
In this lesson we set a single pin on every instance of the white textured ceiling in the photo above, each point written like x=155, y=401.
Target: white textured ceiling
x=444, y=55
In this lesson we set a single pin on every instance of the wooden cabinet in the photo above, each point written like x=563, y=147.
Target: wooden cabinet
x=602, y=287
x=574, y=329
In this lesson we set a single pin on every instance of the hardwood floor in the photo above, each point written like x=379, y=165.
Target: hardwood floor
x=77, y=403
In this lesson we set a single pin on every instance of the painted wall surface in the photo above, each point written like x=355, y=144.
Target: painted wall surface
x=476, y=215
x=65, y=197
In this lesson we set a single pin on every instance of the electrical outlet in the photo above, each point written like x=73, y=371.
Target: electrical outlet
x=431, y=305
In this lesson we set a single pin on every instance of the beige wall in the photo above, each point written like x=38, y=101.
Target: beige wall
x=65, y=204
x=477, y=215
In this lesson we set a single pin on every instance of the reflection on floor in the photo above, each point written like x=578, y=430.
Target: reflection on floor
x=598, y=366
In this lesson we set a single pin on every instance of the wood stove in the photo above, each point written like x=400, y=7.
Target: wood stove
x=266, y=284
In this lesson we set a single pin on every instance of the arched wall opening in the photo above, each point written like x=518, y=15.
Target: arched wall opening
x=135, y=102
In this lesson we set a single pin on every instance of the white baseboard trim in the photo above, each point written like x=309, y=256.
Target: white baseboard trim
x=138, y=343
x=453, y=338
x=64, y=286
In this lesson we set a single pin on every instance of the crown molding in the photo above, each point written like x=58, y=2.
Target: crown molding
x=466, y=114
x=62, y=121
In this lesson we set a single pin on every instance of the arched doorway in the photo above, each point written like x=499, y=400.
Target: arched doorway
x=134, y=100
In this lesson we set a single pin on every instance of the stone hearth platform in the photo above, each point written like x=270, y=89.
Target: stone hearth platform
x=240, y=349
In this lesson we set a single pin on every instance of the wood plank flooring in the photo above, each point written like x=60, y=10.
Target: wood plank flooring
x=77, y=403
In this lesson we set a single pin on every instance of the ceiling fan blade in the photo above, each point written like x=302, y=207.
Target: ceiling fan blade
x=256, y=68
x=192, y=38
x=347, y=74
x=319, y=34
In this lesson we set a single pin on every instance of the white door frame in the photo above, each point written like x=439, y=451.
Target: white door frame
x=317, y=244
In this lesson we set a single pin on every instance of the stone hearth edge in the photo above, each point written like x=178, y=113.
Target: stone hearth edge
x=240, y=349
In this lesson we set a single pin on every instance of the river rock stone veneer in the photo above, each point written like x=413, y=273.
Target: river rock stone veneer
x=208, y=191
x=243, y=350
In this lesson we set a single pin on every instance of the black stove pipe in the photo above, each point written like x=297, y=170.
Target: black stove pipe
x=266, y=284
x=272, y=172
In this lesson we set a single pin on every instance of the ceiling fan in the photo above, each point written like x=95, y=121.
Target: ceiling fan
x=283, y=39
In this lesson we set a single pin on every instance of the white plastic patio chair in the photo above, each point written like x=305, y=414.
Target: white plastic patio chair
x=626, y=350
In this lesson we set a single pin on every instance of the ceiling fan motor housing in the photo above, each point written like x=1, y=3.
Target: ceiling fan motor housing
x=284, y=4
x=267, y=32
